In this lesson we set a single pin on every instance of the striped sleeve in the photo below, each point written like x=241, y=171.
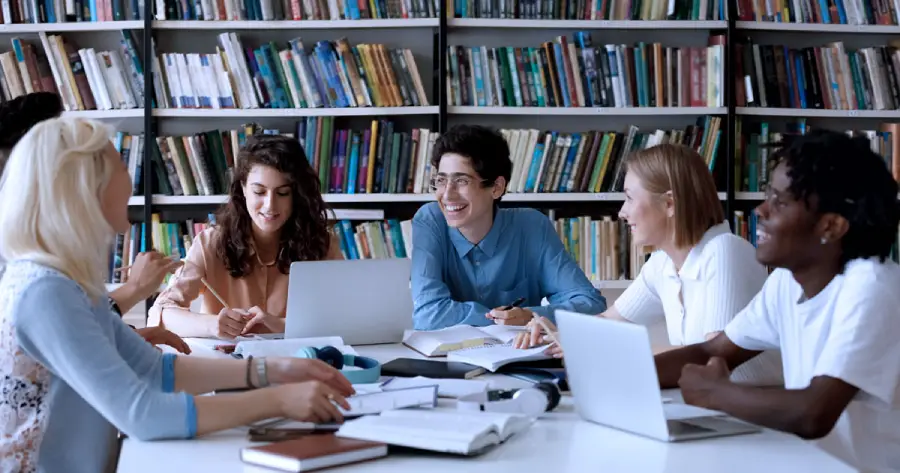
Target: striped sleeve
x=640, y=303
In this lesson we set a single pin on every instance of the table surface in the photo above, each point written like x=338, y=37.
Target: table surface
x=559, y=442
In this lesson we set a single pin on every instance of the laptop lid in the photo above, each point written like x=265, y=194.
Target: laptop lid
x=611, y=373
x=363, y=301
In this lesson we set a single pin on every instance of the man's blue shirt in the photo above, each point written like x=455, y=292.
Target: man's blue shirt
x=456, y=282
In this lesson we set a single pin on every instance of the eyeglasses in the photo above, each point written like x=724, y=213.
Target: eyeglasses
x=459, y=182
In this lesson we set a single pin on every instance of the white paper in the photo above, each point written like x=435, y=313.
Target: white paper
x=375, y=403
x=289, y=347
x=446, y=387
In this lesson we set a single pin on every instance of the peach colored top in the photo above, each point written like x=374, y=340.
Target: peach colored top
x=265, y=286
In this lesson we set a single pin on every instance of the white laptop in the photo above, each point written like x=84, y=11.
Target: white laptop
x=363, y=301
x=612, y=376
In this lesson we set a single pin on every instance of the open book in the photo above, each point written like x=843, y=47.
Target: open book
x=439, y=430
x=494, y=357
x=443, y=341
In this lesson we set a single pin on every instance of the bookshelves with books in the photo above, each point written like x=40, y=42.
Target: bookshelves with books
x=538, y=70
x=837, y=69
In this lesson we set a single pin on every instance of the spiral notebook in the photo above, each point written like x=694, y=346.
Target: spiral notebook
x=494, y=357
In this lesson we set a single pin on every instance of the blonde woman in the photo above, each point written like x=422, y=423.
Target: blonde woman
x=701, y=275
x=73, y=372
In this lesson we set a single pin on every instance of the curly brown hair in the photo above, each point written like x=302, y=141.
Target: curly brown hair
x=304, y=237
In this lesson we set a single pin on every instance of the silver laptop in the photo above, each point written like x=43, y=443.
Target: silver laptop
x=612, y=376
x=363, y=301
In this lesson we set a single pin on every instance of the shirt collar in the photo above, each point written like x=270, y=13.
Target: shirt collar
x=488, y=244
x=693, y=263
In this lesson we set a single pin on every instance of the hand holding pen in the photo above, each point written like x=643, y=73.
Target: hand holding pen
x=511, y=314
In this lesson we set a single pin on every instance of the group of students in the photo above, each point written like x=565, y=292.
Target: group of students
x=807, y=349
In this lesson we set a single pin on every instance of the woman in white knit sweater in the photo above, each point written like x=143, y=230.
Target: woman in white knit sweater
x=700, y=276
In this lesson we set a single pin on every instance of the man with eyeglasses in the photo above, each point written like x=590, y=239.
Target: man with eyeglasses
x=474, y=263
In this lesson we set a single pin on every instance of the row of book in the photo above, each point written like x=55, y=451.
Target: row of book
x=85, y=79
x=601, y=246
x=385, y=159
x=69, y=11
x=333, y=74
x=655, y=10
x=281, y=10
x=379, y=159
x=751, y=174
x=550, y=161
x=574, y=73
x=835, y=12
x=827, y=77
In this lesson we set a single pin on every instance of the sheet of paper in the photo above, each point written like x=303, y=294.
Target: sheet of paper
x=288, y=347
x=375, y=403
x=446, y=387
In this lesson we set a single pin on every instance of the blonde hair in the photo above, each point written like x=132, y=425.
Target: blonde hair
x=681, y=170
x=50, y=190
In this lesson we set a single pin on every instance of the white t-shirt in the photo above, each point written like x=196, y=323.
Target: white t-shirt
x=849, y=331
x=719, y=277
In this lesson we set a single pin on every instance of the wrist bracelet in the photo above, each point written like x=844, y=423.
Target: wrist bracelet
x=261, y=373
x=249, y=365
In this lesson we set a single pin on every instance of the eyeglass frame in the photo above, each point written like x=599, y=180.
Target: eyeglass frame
x=450, y=178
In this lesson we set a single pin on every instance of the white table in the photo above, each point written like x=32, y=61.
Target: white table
x=558, y=442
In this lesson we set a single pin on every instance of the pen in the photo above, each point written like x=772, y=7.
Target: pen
x=516, y=303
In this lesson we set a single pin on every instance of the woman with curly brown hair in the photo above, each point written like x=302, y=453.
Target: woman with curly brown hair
x=275, y=215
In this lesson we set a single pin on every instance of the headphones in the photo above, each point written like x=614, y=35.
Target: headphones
x=531, y=401
x=370, y=370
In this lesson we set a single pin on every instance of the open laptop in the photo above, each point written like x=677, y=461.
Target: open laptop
x=365, y=301
x=612, y=376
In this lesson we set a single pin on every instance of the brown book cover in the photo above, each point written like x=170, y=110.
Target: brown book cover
x=312, y=452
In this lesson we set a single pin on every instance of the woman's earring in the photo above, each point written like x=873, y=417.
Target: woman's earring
x=823, y=240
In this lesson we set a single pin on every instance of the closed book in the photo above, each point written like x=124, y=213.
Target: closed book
x=312, y=452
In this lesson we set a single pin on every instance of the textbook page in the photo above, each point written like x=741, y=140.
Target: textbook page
x=493, y=357
x=442, y=341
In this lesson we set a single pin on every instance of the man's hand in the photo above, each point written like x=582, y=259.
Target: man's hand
x=263, y=318
x=148, y=271
x=160, y=336
x=699, y=382
x=515, y=316
x=284, y=370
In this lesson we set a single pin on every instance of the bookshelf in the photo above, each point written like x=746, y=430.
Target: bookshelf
x=429, y=37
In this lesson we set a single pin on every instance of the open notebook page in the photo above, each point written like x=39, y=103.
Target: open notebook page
x=436, y=430
x=493, y=357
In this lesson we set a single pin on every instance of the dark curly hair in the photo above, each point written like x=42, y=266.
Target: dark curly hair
x=304, y=237
x=486, y=149
x=848, y=179
x=18, y=115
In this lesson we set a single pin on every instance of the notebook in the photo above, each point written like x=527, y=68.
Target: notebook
x=439, y=430
x=443, y=341
x=312, y=453
x=494, y=357
x=411, y=367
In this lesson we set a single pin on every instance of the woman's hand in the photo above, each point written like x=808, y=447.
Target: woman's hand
x=160, y=336
x=284, y=370
x=536, y=335
x=261, y=317
x=148, y=271
x=230, y=323
x=310, y=401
